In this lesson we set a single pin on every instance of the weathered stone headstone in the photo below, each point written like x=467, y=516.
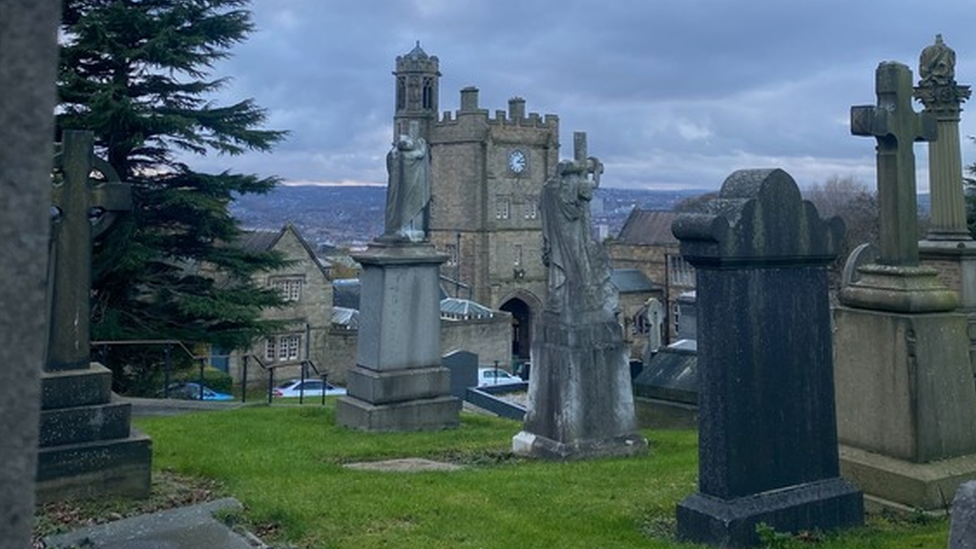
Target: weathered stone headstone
x=962, y=532
x=28, y=32
x=948, y=245
x=767, y=436
x=398, y=383
x=905, y=395
x=87, y=446
x=581, y=402
x=464, y=371
x=655, y=318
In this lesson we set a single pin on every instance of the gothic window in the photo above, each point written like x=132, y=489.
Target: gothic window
x=428, y=94
x=530, y=210
x=503, y=207
x=452, y=255
x=401, y=93
x=288, y=287
x=517, y=255
x=675, y=317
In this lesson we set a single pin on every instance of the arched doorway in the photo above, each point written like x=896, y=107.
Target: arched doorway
x=521, y=327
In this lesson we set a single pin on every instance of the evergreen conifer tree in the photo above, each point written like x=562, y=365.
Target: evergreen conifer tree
x=137, y=74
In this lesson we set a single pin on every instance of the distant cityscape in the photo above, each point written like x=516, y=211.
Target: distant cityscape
x=351, y=216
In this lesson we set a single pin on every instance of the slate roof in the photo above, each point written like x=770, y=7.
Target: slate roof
x=347, y=318
x=453, y=308
x=632, y=281
x=648, y=228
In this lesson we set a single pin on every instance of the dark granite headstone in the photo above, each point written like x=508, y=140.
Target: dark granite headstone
x=767, y=433
x=28, y=34
x=464, y=371
x=962, y=533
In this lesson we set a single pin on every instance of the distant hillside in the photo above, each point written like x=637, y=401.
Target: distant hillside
x=348, y=215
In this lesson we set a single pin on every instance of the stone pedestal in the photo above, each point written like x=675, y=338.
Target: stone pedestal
x=766, y=427
x=581, y=403
x=906, y=406
x=956, y=262
x=87, y=447
x=398, y=383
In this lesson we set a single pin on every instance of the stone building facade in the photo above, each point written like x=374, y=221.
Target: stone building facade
x=307, y=291
x=488, y=170
x=645, y=242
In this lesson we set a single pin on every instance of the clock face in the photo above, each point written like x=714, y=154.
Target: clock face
x=517, y=161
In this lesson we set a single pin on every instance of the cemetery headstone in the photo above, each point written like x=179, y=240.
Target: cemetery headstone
x=767, y=436
x=27, y=73
x=87, y=446
x=905, y=394
x=399, y=383
x=655, y=319
x=581, y=402
x=962, y=531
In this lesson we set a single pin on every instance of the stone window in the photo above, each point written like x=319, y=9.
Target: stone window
x=680, y=272
x=503, y=208
x=530, y=210
x=282, y=347
x=517, y=255
x=289, y=287
x=428, y=93
x=401, y=93
x=452, y=254
x=675, y=318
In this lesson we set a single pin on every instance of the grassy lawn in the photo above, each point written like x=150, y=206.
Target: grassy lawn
x=285, y=464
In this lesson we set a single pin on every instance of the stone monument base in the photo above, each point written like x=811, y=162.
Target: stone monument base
x=955, y=259
x=87, y=447
x=822, y=505
x=901, y=485
x=426, y=414
x=407, y=399
x=581, y=402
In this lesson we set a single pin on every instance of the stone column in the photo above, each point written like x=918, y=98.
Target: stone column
x=766, y=428
x=28, y=31
x=948, y=246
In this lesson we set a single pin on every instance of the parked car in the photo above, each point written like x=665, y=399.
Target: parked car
x=190, y=390
x=493, y=376
x=309, y=387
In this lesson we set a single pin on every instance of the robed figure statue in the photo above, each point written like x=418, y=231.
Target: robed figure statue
x=408, y=189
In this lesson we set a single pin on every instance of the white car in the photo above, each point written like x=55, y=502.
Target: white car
x=492, y=376
x=309, y=388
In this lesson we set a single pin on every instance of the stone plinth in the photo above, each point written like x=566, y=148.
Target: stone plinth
x=581, y=404
x=398, y=383
x=767, y=430
x=905, y=405
x=956, y=264
x=87, y=447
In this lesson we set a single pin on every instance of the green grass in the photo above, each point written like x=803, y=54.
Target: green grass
x=285, y=464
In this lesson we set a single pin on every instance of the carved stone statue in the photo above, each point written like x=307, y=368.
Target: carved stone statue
x=579, y=268
x=937, y=64
x=408, y=189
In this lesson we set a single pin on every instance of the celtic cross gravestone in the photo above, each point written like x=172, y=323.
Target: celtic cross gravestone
x=78, y=202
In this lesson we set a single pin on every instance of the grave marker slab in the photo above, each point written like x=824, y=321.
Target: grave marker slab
x=767, y=436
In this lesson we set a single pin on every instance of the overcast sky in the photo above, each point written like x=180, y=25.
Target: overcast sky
x=672, y=94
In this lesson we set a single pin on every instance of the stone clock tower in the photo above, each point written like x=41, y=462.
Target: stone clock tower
x=488, y=171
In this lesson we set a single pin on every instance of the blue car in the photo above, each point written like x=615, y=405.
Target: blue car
x=190, y=390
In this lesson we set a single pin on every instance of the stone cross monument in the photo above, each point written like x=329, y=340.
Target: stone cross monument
x=76, y=198
x=904, y=383
x=896, y=282
x=895, y=126
x=580, y=396
x=87, y=446
x=766, y=429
